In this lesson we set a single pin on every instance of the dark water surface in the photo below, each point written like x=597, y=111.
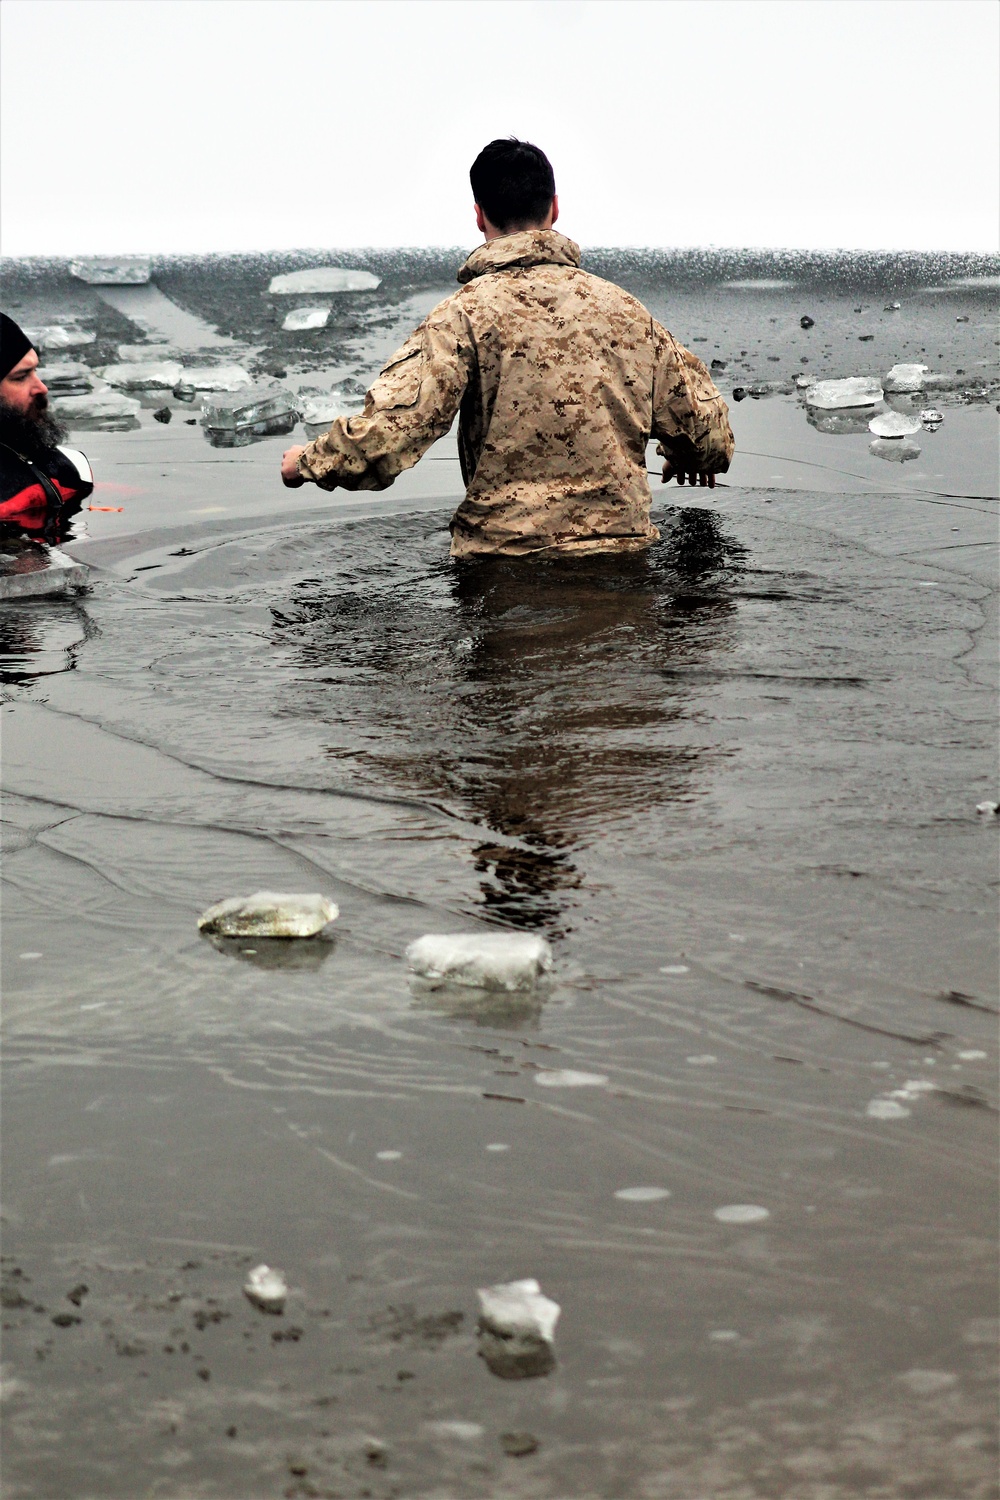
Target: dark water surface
x=734, y=781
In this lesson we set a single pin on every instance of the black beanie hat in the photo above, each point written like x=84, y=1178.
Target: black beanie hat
x=14, y=345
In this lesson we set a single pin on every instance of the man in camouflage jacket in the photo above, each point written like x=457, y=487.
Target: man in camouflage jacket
x=559, y=379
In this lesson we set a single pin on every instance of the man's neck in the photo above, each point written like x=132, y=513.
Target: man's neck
x=491, y=232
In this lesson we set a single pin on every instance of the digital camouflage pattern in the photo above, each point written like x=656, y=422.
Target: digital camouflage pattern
x=560, y=379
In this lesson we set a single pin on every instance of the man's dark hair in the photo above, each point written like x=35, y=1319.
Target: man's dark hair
x=513, y=183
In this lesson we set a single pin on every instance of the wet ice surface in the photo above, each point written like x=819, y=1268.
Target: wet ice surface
x=734, y=783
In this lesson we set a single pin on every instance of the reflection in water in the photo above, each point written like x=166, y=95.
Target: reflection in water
x=894, y=450
x=540, y=697
x=41, y=638
x=840, y=423
x=499, y=1009
x=302, y=954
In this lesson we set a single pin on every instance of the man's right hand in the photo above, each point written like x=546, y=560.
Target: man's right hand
x=692, y=477
x=290, y=476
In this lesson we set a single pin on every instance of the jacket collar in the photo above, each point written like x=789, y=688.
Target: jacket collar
x=528, y=247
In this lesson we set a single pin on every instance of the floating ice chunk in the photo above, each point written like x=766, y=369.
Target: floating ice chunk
x=518, y=1309
x=763, y=284
x=502, y=1145
x=903, y=378
x=217, y=378
x=894, y=450
x=857, y=390
x=741, y=1213
x=988, y=809
x=267, y=1289
x=96, y=406
x=931, y=417
x=67, y=378
x=463, y=1432
x=488, y=961
x=516, y=1329
x=269, y=914
x=111, y=270
x=893, y=424
x=319, y=415
x=569, y=1078
x=642, y=1194
x=973, y=1054
x=144, y=375
x=928, y=1382
x=886, y=1109
x=323, y=279
x=57, y=336
x=260, y=411
x=134, y=352
x=675, y=968
x=301, y=318
x=388, y=1155
x=702, y=1060
x=806, y=321
x=723, y=1335
x=38, y=572
x=891, y=307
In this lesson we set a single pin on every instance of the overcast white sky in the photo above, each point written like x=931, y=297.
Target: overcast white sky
x=198, y=125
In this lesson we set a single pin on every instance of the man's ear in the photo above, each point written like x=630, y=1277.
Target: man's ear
x=555, y=208
x=480, y=220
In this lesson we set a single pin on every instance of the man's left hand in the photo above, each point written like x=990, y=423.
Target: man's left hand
x=290, y=476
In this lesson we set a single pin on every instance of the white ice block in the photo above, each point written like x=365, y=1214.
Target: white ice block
x=519, y=1310
x=39, y=572
x=138, y=352
x=857, y=390
x=67, y=378
x=269, y=914
x=267, y=1289
x=490, y=961
x=250, y=407
x=323, y=279
x=317, y=415
x=216, y=378
x=96, y=406
x=111, y=270
x=893, y=424
x=903, y=378
x=144, y=375
x=59, y=336
x=301, y=318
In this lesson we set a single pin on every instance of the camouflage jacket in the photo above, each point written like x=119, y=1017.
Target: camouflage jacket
x=559, y=379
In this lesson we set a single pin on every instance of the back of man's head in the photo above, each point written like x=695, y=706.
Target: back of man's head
x=513, y=183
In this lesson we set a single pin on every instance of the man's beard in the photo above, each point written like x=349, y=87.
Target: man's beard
x=33, y=434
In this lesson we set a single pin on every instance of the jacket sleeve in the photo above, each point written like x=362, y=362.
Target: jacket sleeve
x=409, y=406
x=690, y=418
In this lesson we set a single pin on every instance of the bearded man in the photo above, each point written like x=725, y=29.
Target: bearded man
x=42, y=485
